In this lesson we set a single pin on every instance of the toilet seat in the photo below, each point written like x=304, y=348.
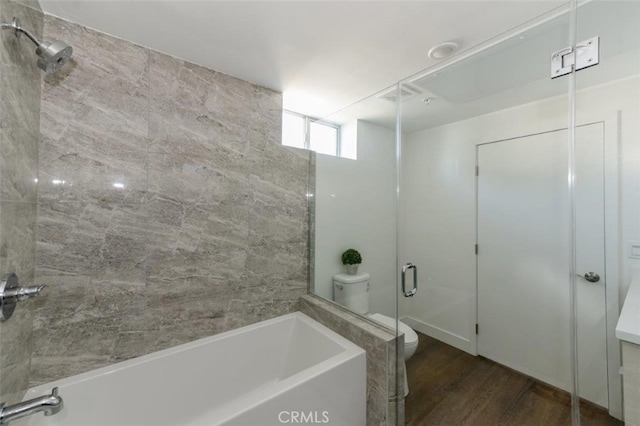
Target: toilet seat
x=410, y=336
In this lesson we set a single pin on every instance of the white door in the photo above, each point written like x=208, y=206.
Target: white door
x=524, y=258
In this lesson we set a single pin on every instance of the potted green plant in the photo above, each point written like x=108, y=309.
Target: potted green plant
x=351, y=258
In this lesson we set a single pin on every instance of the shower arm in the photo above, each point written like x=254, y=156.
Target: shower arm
x=51, y=55
x=15, y=25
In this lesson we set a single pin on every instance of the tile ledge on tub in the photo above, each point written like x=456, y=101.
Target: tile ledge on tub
x=380, y=331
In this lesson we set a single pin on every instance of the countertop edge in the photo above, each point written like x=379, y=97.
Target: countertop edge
x=628, y=327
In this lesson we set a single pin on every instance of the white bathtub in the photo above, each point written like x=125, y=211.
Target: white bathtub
x=288, y=370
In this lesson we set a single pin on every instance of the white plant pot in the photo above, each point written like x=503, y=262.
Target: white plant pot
x=352, y=269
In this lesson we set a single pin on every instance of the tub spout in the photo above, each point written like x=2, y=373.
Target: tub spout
x=49, y=404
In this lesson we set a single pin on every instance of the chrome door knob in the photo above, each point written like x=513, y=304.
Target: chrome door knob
x=592, y=277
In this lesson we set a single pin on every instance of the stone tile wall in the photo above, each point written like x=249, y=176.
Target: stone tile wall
x=19, y=124
x=384, y=348
x=167, y=208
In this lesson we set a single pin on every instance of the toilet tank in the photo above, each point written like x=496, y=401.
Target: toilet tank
x=352, y=291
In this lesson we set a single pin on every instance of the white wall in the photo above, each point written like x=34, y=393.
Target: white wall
x=355, y=208
x=437, y=230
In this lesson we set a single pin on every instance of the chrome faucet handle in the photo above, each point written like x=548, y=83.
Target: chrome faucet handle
x=24, y=293
x=11, y=293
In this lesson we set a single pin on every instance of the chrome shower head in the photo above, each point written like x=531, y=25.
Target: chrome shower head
x=52, y=55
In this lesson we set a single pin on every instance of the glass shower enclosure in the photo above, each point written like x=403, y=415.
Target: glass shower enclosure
x=516, y=196
x=19, y=139
x=510, y=179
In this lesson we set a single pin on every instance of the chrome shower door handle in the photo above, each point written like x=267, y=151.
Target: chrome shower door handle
x=405, y=268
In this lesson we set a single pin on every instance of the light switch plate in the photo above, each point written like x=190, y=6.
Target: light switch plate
x=633, y=249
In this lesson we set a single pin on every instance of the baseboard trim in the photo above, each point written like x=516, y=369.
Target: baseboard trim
x=440, y=334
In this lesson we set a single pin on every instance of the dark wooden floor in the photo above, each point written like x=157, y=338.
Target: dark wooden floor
x=450, y=387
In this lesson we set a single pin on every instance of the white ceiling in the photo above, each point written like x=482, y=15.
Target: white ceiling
x=324, y=55
x=514, y=71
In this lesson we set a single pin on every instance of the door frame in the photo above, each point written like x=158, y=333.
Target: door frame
x=612, y=240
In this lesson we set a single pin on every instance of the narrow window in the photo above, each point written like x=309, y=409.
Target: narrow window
x=293, y=130
x=300, y=131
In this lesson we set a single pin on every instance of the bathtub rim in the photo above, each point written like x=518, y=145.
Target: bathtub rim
x=351, y=350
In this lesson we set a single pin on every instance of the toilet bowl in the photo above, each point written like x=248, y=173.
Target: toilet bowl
x=410, y=340
x=352, y=291
x=410, y=336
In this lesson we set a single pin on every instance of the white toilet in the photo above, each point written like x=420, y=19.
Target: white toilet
x=352, y=291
